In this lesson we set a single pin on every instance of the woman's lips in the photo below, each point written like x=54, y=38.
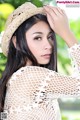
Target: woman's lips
x=46, y=56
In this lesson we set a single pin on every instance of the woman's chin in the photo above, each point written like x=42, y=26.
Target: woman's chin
x=44, y=62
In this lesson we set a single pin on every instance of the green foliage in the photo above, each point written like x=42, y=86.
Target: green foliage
x=63, y=57
x=75, y=26
x=64, y=62
x=64, y=118
x=17, y=3
x=70, y=115
x=2, y=63
x=4, y=13
x=52, y=2
x=2, y=24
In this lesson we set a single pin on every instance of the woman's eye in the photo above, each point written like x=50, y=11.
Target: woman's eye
x=50, y=37
x=38, y=38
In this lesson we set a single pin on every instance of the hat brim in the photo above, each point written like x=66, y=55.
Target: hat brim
x=14, y=25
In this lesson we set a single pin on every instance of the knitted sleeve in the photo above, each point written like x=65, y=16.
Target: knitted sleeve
x=74, y=53
x=32, y=86
x=63, y=85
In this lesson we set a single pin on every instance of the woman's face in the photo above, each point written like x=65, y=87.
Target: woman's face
x=39, y=38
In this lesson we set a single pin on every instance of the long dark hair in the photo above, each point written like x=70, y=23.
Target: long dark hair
x=18, y=56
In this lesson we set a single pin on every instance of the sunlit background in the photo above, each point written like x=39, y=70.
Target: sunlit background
x=70, y=108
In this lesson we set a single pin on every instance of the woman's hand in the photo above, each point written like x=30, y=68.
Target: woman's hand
x=59, y=23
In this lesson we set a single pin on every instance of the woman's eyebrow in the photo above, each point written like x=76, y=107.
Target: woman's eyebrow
x=50, y=32
x=37, y=33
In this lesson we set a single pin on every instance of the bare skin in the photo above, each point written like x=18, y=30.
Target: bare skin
x=38, y=41
x=59, y=23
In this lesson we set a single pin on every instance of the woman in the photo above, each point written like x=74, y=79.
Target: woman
x=31, y=85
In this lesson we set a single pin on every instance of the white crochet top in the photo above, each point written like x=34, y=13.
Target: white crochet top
x=32, y=91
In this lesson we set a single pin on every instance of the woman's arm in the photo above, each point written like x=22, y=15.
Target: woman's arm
x=59, y=23
x=60, y=85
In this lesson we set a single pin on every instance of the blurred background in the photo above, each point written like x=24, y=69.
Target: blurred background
x=70, y=108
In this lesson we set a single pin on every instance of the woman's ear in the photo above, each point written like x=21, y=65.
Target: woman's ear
x=14, y=40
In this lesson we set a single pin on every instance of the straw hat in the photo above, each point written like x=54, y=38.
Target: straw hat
x=19, y=15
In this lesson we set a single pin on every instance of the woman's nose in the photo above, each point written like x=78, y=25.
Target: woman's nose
x=48, y=45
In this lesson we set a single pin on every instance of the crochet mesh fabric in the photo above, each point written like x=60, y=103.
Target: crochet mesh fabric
x=32, y=91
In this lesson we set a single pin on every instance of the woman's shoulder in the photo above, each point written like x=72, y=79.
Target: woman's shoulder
x=31, y=69
x=29, y=73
